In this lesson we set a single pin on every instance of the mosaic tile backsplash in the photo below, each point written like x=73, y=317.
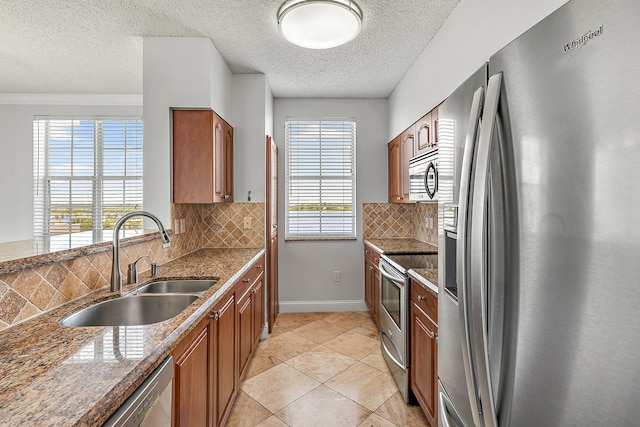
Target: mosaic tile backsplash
x=31, y=291
x=398, y=221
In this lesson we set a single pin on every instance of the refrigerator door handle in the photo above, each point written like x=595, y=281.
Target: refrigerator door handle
x=478, y=250
x=463, y=251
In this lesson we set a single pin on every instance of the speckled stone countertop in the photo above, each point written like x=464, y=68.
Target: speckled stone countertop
x=401, y=245
x=51, y=375
x=427, y=277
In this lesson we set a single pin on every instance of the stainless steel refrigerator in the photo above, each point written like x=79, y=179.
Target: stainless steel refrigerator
x=539, y=194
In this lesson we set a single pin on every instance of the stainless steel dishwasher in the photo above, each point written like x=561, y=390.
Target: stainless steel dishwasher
x=150, y=404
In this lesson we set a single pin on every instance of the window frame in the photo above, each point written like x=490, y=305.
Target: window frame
x=43, y=177
x=291, y=235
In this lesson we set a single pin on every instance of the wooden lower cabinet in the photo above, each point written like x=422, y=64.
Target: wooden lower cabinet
x=190, y=387
x=250, y=317
x=223, y=349
x=372, y=282
x=211, y=361
x=245, y=336
x=424, y=351
x=258, y=309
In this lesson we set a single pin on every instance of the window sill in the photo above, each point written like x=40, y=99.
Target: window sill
x=318, y=239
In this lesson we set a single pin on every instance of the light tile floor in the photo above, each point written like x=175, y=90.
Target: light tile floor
x=321, y=369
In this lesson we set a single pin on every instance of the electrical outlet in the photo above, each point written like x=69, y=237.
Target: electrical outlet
x=337, y=276
x=183, y=225
x=430, y=222
x=247, y=222
x=176, y=226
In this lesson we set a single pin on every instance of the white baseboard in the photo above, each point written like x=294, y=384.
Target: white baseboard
x=321, y=306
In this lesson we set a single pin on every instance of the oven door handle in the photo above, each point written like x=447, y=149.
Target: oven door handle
x=386, y=350
x=394, y=279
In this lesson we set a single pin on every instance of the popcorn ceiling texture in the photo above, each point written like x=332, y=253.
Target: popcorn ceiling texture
x=400, y=221
x=94, y=46
x=32, y=291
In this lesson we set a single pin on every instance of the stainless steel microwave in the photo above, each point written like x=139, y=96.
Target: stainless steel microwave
x=423, y=177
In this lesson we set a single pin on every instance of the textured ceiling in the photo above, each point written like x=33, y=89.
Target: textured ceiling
x=95, y=47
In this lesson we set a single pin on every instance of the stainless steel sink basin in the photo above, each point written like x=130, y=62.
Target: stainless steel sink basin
x=131, y=310
x=177, y=287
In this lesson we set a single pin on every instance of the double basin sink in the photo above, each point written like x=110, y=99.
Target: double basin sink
x=152, y=303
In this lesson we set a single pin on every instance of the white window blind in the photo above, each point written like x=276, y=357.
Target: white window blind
x=320, y=178
x=87, y=173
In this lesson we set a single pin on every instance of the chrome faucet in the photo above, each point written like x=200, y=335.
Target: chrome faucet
x=116, y=278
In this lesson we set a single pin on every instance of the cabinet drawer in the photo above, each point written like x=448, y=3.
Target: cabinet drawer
x=425, y=299
x=244, y=283
x=258, y=268
x=371, y=254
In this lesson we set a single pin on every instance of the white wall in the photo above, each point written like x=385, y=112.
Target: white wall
x=473, y=32
x=306, y=268
x=16, y=152
x=250, y=103
x=177, y=72
x=268, y=109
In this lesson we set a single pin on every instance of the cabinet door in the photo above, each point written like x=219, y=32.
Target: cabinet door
x=368, y=290
x=434, y=125
x=228, y=163
x=192, y=160
x=394, y=170
x=219, y=188
x=190, y=383
x=245, y=335
x=406, y=153
x=375, y=285
x=258, y=309
x=424, y=362
x=202, y=157
x=424, y=134
x=223, y=348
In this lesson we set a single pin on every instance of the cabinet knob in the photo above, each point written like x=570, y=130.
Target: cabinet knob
x=246, y=280
x=215, y=315
x=420, y=297
x=259, y=267
x=254, y=290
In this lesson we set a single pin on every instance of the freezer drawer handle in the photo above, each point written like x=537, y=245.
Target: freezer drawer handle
x=445, y=414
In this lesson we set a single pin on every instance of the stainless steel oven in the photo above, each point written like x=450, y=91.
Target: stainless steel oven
x=394, y=312
x=394, y=287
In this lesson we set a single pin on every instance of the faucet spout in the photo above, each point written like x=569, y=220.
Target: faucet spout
x=116, y=277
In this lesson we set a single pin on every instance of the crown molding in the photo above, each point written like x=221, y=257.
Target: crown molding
x=68, y=99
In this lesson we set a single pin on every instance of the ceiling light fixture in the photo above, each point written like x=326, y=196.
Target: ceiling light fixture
x=319, y=24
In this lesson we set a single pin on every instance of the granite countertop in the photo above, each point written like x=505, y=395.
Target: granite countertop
x=401, y=245
x=427, y=277
x=51, y=375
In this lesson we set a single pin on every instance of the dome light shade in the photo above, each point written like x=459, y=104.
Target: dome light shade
x=319, y=24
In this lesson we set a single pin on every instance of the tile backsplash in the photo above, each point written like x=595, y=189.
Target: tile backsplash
x=30, y=291
x=397, y=221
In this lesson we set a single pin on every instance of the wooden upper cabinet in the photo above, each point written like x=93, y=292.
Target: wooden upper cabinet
x=400, y=151
x=394, y=170
x=424, y=134
x=406, y=152
x=427, y=132
x=202, y=160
